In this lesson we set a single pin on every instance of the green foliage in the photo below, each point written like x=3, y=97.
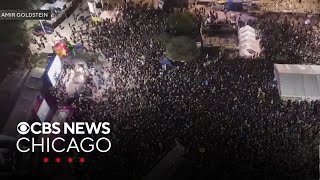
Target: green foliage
x=13, y=33
x=183, y=49
x=34, y=4
x=14, y=37
x=182, y=24
x=163, y=38
x=16, y=31
x=31, y=24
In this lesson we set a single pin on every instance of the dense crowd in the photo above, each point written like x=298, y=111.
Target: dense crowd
x=230, y=108
x=300, y=43
x=300, y=6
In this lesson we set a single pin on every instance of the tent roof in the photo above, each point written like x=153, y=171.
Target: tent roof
x=59, y=4
x=46, y=6
x=297, y=69
x=246, y=38
x=298, y=80
x=247, y=28
x=107, y=15
x=247, y=41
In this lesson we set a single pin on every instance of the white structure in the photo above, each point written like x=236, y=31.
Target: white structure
x=46, y=6
x=298, y=82
x=59, y=4
x=158, y=4
x=248, y=44
x=107, y=15
x=92, y=7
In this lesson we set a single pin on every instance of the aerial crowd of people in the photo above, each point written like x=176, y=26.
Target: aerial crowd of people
x=228, y=115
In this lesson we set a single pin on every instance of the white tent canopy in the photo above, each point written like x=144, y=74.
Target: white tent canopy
x=46, y=6
x=298, y=82
x=59, y=4
x=107, y=15
x=247, y=28
x=248, y=44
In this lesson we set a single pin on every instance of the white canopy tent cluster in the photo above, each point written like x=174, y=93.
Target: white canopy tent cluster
x=298, y=82
x=248, y=43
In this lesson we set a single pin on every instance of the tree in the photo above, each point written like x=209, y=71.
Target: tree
x=182, y=48
x=182, y=24
x=163, y=38
x=34, y=4
x=14, y=39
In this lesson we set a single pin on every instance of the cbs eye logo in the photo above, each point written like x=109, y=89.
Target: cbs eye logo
x=23, y=128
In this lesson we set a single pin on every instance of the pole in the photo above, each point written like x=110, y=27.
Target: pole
x=95, y=9
x=42, y=27
x=102, y=3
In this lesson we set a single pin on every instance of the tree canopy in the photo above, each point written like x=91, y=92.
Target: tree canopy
x=182, y=48
x=182, y=24
x=163, y=38
x=14, y=38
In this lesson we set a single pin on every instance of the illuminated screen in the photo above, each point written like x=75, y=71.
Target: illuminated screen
x=55, y=71
x=43, y=111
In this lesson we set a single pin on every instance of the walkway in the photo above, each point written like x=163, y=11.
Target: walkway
x=65, y=31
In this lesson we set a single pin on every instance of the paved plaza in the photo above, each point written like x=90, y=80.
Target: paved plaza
x=65, y=31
